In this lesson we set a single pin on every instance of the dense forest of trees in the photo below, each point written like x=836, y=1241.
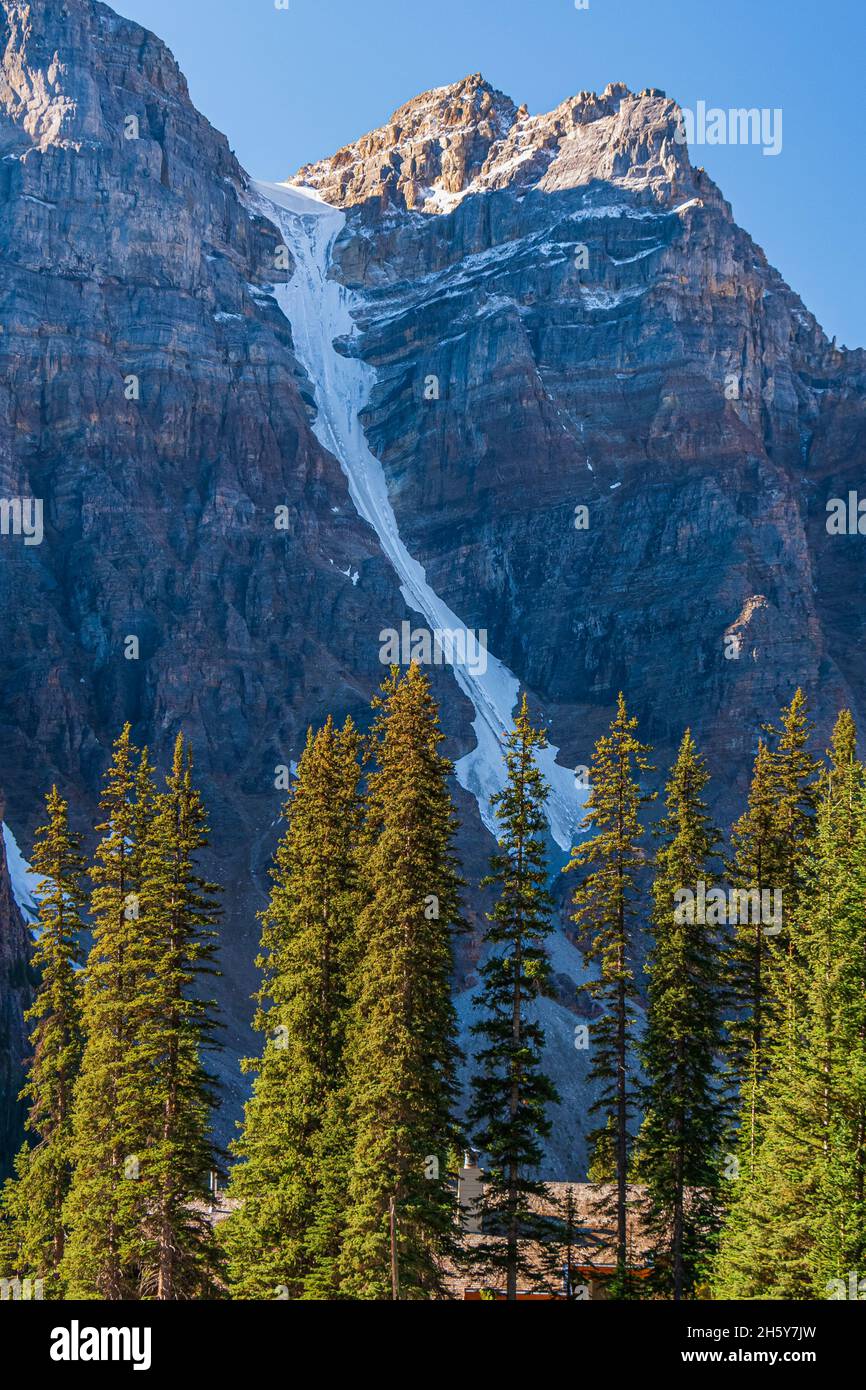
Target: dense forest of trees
x=727, y=993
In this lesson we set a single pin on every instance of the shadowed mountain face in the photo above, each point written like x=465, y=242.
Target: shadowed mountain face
x=558, y=312
x=601, y=334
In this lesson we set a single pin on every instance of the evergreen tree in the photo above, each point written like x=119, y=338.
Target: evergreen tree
x=682, y=1131
x=767, y=1243
x=572, y=1227
x=796, y=772
x=755, y=867
x=511, y=1093
x=291, y=1177
x=772, y=846
x=607, y=910
x=104, y=1211
x=177, y=916
x=32, y=1206
x=601, y=1167
x=402, y=1050
x=835, y=950
x=768, y=1239
x=332, y=1160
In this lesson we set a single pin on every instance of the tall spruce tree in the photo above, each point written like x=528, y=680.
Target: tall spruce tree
x=104, y=1211
x=572, y=1227
x=402, y=1049
x=177, y=914
x=32, y=1204
x=836, y=951
x=767, y=1243
x=680, y=1141
x=755, y=867
x=332, y=1165
x=608, y=912
x=795, y=773
x=291, y=1176
x=771, y=849
x=796, y=776
x=511, y=1093
x=768, y=1238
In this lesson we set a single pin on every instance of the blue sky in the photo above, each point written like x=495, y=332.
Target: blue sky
x=292, y=85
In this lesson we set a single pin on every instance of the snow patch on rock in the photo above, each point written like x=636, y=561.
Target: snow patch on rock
x=21, y=877
x=322, y=312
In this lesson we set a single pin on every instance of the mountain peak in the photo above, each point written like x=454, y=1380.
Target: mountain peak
x=431, y=149
x=469, y=137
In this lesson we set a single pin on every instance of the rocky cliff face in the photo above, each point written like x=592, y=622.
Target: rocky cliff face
x=16, y=995
x=607, y=432
x=564, y=315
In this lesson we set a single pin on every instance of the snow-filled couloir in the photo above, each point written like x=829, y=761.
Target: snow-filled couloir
x=320, y=310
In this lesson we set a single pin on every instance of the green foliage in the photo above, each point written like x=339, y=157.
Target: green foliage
x=608, y=913
x=291, y=1178
x=680, y=1140
x=771, y=844
x=104, y=1212
x=332, y=1159
x=800, y=1183
x=401, y=1042
x=352, y=1112
x=32, y=1204
x=755, y=865
x=511, y=1093
x=836, y=954
x=141, y=1149
x=177, y=917
x=602, y=1155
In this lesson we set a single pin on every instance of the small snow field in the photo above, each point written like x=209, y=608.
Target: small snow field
x=21, y=877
